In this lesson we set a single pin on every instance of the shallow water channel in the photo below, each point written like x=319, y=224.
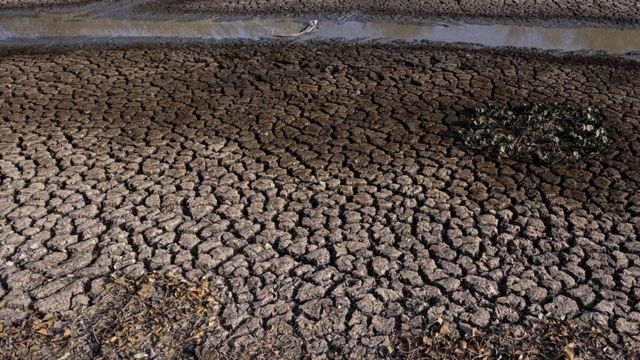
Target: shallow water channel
x=122, y=23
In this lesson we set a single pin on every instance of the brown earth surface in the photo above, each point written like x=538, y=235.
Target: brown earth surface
x=604, y=12
x=320, y=191
x=593, y=11
x=33, y=3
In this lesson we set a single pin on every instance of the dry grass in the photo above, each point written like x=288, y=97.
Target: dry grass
x=128, y=320
x=544, y=340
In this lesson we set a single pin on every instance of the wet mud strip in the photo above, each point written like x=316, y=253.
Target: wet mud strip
x=320, y=190
x=121, y=23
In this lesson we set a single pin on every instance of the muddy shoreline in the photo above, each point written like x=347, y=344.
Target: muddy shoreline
x=531, y=12
x=607, y=13
x=576, y=58
x=99, y=24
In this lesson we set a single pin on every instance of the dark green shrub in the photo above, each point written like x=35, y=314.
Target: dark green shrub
x=547, y=133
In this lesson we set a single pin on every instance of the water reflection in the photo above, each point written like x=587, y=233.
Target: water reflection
x=119, y=21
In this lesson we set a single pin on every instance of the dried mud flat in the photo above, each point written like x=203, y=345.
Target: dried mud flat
x=314, y=197
x=602, y=12
x=622, y=12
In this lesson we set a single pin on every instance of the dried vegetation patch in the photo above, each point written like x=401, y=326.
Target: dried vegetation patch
x=541, y=340
x=150, y=317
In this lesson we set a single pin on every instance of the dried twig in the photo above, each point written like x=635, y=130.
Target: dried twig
x=311, y=27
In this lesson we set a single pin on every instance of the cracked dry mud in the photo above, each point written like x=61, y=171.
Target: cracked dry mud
x=321, y=188
x=603, y=12
x=598, y=11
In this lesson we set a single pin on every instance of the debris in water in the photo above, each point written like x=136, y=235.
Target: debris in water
x=311, y=27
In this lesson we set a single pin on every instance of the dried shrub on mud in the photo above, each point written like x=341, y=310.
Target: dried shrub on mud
x=539, y=132
x=146, y=318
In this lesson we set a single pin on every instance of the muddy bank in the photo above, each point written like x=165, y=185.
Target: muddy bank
x=38, y=3
x=624, y=13
x=321, y=189
x=95, y=24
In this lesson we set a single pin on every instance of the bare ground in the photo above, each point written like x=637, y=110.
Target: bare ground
x=625, y=12
x=602, y=12
x=320, y=190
